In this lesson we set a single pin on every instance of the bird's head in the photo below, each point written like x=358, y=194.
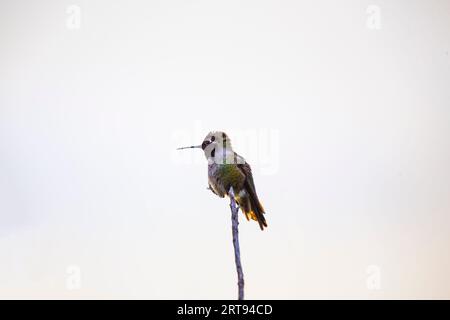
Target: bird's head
x=215, y=143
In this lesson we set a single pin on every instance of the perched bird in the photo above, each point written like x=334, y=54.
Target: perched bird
x=228, y=169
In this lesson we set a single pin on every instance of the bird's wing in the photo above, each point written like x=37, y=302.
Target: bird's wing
x=256, y=207
x=245, y=168
x=247, y=171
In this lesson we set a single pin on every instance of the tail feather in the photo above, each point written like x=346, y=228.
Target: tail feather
x=252, y=208
x=255, y=206
x=257, y=212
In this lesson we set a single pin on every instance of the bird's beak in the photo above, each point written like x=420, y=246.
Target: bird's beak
x=191, y=147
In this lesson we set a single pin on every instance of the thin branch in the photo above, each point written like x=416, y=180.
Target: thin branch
x=237, y=250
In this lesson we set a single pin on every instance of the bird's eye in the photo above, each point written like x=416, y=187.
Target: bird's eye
x=205, y=144
x=213, y=138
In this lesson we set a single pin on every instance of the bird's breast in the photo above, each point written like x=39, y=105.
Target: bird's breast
x=223, y=176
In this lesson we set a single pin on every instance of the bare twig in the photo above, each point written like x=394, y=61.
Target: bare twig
x=237, y=250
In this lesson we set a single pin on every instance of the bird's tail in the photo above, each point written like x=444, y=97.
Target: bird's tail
x=254, y=210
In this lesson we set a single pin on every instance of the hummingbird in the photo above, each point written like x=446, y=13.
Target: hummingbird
x=227, y=169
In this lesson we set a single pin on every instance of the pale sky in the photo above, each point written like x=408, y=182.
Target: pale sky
x=341, y=108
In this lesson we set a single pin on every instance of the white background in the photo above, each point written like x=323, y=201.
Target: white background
x=355, y=173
